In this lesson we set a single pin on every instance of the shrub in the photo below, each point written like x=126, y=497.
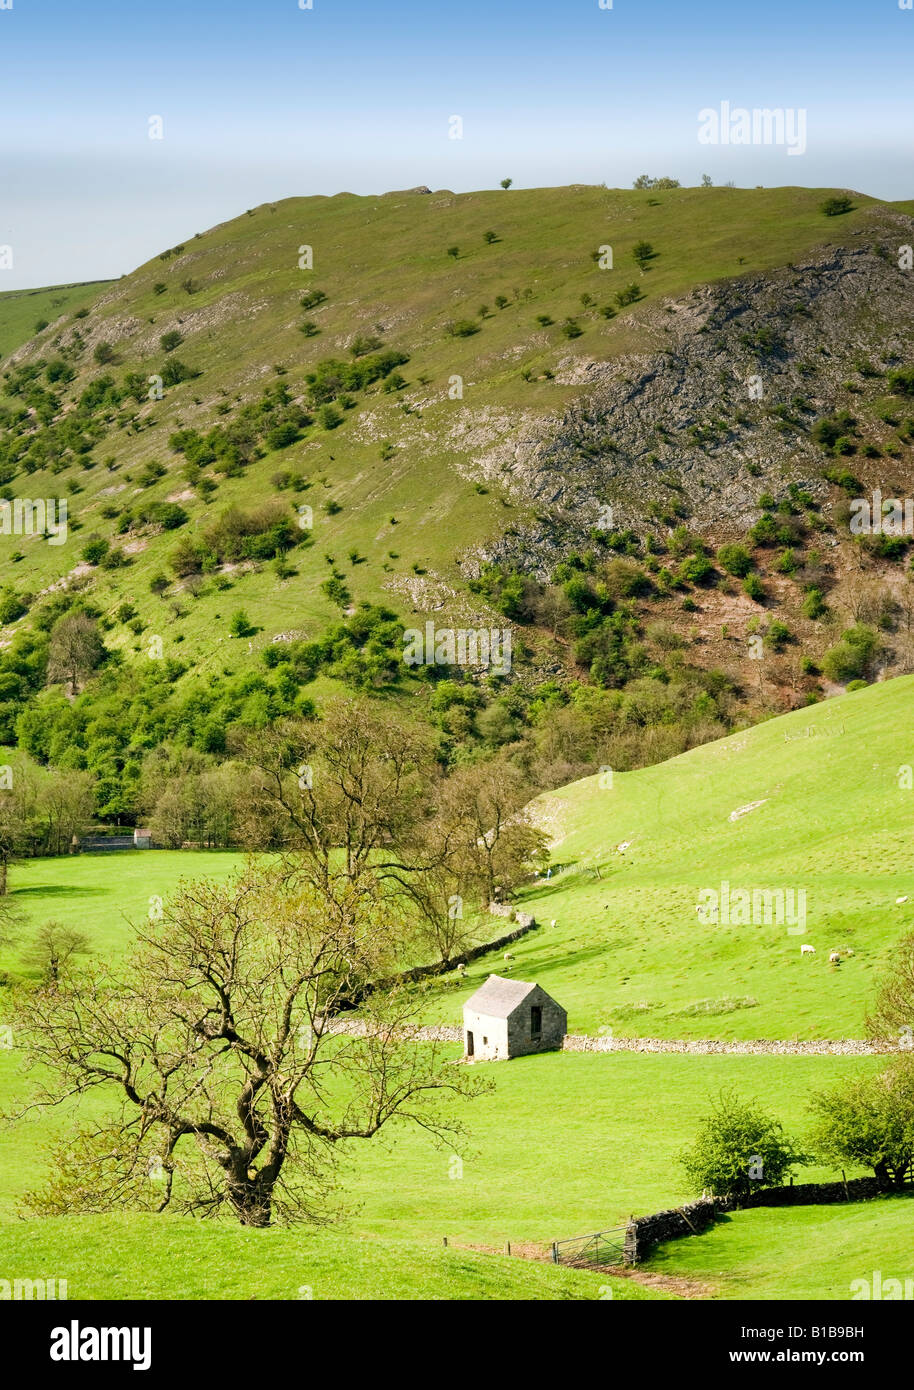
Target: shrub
x=364, y=343
x=104, y=354
x=696, y=569
x=94, y=551
x=170, y=340
x=630, y=295
x=489, y=237
x=814, y=605
x=239, y=624
x=738, y=1149
x=901, y=382
x=835, y=207
x=461, y=328
x=312, y=299
x=735, y=559
x=12, y=607
x=754, y=587
x=850, y=658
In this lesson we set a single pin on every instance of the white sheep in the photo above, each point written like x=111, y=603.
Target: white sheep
x=834, y=958
x=508, y=955
x=807, y=950
x=898, y=901
x=553, y=923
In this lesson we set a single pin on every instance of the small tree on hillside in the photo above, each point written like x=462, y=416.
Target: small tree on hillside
x=738, y=1149
x=75, y=650
x=506, y=183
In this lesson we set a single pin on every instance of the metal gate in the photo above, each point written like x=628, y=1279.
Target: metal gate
x=603, y=1247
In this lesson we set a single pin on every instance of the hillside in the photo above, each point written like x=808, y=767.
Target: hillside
x=817, y=800
x=454, y=414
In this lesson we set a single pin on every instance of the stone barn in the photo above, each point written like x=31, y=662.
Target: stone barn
x=508, y=1018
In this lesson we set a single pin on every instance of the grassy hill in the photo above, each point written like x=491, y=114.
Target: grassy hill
x=831, y=815
x=23, y=311
x=409, y=488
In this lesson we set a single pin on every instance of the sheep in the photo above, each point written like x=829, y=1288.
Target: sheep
x=807, y=950
x=553, y=923
x=898, y=901
x=508, y=955
x=848, y=950
x=834, y=958
x=461, y=968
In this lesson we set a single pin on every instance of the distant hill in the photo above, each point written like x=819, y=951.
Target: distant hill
x=481, y=431
x=22, y=311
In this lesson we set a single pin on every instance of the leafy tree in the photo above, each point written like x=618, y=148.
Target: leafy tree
x=506, y=183
x=489, y=237
x=869, y=1120
x=642, y=253
x=75, y=650
x=453, y=251
x=104, y=353
x=735, y=1141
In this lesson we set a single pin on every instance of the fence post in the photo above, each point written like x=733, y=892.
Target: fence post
x=445, y=1242
x=555, y=1252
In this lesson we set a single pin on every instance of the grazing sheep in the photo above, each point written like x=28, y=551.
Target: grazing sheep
x=901, y=900
x=834, y=958
x=508, y=955
x=848, y=950
x=553, y=923
x=461, y=969
x=807, y=950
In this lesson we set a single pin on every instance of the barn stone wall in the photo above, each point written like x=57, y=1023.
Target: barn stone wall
x=554, y=1023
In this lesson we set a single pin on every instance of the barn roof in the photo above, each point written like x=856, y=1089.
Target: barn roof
x=499, y=997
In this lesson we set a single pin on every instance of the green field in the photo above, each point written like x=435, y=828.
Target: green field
x=796, y=1253
x=573, y=1143
x=629, y=952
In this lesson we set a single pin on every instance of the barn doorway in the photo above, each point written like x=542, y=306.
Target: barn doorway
x=469, y=1044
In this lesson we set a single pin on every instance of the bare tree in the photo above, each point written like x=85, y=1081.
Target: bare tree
x=52, y=951
x=360, y=800
x=232, y=1088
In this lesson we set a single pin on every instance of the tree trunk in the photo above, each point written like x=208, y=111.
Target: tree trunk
x=251, y=1199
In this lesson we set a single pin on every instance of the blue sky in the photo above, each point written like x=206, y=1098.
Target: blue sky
x=262, y=100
